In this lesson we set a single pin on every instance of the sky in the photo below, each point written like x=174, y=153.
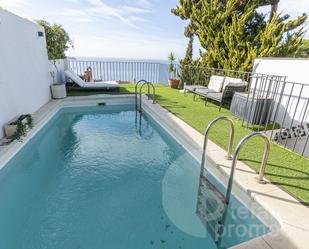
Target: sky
x=140, y=29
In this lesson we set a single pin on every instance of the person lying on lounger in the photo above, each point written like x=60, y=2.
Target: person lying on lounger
x=88, y=75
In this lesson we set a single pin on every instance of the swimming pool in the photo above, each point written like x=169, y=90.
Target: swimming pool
x=100, y=177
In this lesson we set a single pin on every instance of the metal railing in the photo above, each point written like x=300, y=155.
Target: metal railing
x=219, y=217
x=230, y=145
x=204, y=182
x=233, y=168
x=149, y=84
x=235, y=158
x=231, y=140
x=226, y=198
x=123, y=71
x=136, y=86
x=278, y=108
x=196, y=75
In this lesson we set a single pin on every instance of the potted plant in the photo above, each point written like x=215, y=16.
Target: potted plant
x=173, y=82
x=58, y=90
x=18, y=127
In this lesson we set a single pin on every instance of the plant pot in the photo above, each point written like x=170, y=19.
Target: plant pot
x=58, y=91
x=11, y=128
x=173, y=83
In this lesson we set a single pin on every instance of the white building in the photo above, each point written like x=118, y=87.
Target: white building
x=296, y=69
x=24, y=67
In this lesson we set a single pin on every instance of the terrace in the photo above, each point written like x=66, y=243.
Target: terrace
x=83, y=159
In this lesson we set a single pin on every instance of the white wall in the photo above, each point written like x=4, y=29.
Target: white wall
x=296, y=70
x=24, y=67
x=293, y=110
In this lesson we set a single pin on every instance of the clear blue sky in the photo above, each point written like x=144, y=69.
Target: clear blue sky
x=121, y=28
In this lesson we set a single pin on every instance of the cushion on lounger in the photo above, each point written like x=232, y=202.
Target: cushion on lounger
x=216, y=83
x=75, y=78
x=89, y=85
x=102, y=84
x=232, y=81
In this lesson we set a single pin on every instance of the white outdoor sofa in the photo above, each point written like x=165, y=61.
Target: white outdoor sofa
x=100, y=85
x=220, y=89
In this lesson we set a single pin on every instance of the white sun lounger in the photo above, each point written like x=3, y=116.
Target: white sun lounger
x=91, y=85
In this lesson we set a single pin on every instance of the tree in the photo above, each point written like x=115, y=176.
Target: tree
x=185, y=74
x=274, y=9
x=189, y=53
x=303, y=50
x=57, y=39
x=233, y=33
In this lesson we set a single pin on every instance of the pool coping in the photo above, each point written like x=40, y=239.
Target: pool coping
x=289, y=212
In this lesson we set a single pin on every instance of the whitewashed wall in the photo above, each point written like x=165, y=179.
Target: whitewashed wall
x=24, y=67
x=296, y=70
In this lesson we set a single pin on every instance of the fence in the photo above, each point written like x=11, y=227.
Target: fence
x=270, y=104
x=282, y=109
x=194, y=75
x=124, y=71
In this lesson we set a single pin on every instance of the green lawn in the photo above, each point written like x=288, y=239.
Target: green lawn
x=285, y=168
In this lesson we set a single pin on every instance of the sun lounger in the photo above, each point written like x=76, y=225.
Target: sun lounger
x=91, y=85
x=222, y=92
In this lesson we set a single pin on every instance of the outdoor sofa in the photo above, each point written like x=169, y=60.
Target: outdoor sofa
x=101, y=85
x=220, y=89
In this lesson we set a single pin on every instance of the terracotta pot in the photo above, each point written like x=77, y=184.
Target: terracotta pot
x=173, y=83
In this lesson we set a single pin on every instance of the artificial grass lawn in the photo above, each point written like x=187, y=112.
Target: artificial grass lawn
x=285, y=168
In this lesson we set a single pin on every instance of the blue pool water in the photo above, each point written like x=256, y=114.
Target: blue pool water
x=94, y=178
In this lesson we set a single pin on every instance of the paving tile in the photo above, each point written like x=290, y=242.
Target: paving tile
x=288, y=238
x=286, y=208
x=258, y=243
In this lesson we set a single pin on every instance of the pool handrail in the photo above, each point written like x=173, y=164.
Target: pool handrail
x=153, y=94
x=234, y=162
x=231, y=140
x=136, y=85
x=235, y=158
x=229, y=153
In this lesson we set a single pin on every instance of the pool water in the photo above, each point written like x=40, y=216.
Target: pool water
x=95, y=178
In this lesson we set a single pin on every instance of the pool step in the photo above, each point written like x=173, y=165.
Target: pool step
x=211, y=206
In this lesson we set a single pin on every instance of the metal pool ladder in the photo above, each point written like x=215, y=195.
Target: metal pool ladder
x=212, y=204
x=143, y=83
